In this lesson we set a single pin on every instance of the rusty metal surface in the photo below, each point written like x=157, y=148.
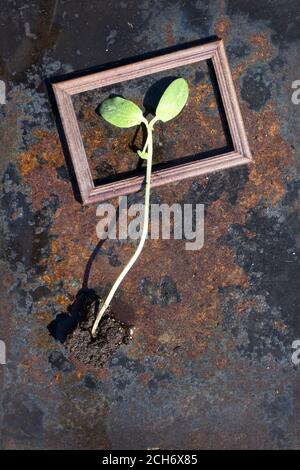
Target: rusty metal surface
x=210, y=364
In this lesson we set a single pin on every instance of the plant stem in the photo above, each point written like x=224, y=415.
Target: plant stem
x=146, y=143
x=102, y=310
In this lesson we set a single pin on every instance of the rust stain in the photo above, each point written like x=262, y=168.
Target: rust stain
x=57, y=378
x=222, y=27
x=81, y=370
x=31, y=366
x=243, y=306
x=280, y=326
x=44, y=317
x=78, y=375
x=46, y=148
x=144, y=377
x=262, y=50
x=272, y=157
x=169, y=33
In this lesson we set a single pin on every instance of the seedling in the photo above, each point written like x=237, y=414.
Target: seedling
x=124, y=113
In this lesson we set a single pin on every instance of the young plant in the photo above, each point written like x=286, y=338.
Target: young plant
x=124, y=113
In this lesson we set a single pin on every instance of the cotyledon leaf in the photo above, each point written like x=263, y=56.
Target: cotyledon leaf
x=121, y=112
x=143, y=155
x=173, y=100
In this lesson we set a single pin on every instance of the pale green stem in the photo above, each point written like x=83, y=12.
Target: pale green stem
x=146, y=143
x=102, y=310
x=147, y=138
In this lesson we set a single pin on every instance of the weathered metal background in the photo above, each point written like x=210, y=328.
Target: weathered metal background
x=210, y=364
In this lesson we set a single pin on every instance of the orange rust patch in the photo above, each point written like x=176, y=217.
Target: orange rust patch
x=222, y=27
x=63, y=300
x=262, y=50
x=169, y=33
x=245, y=305
x=47, y=148
x=221, y=362
x=272, y=157
x=57, y=378
x=144, y=377
x=263, y=47
x=41, y=338
x=66, y=268
x=44, y=317
x=78, y=375
x=31, y=365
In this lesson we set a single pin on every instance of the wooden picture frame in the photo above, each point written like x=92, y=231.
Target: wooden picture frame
x=64, y=90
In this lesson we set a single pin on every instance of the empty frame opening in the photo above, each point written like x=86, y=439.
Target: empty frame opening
x=200, y=131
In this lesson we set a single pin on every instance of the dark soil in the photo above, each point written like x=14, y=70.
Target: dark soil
x=74, y=331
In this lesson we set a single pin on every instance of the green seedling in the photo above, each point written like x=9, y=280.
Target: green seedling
x=124, y=113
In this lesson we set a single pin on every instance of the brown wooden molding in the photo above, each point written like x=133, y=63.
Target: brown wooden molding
x=171, y=172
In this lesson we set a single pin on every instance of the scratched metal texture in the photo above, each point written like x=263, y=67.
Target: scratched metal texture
x=210, y=364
